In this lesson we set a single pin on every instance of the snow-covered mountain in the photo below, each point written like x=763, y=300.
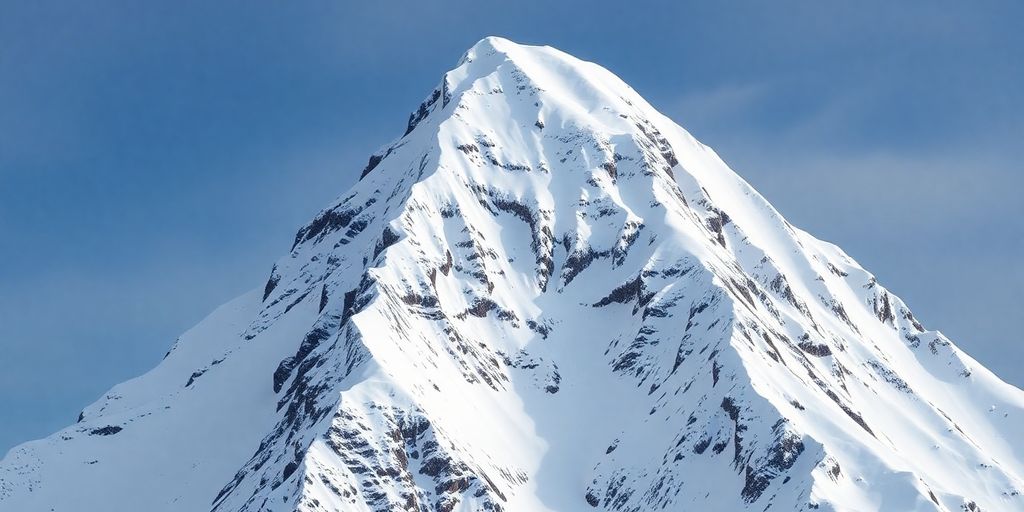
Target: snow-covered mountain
x=545, y=296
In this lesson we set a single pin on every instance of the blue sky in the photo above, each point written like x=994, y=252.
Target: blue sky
x=157, y=157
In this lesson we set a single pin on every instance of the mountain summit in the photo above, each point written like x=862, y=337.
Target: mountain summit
x=545, y=296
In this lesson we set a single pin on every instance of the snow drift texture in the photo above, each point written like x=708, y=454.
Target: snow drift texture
x=545, y=296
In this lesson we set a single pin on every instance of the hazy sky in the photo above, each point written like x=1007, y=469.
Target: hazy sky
x=157, y=157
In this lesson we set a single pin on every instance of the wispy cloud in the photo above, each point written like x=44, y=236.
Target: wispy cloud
x=723, y=102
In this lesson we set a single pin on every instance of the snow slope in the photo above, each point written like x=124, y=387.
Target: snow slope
x=546, y=296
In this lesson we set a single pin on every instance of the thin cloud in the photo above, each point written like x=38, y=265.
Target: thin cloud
x=723, y=101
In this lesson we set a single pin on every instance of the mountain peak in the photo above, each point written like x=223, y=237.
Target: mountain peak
x=546, y=295
x=488, y=45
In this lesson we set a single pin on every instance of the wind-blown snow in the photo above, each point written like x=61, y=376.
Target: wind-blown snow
x=546, y=296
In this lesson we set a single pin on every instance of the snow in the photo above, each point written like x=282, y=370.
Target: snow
x=546, y=296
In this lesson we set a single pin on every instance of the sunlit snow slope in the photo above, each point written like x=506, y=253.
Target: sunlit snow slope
x=546, y=296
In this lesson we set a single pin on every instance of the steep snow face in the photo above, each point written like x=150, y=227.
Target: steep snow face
x=546, y=296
